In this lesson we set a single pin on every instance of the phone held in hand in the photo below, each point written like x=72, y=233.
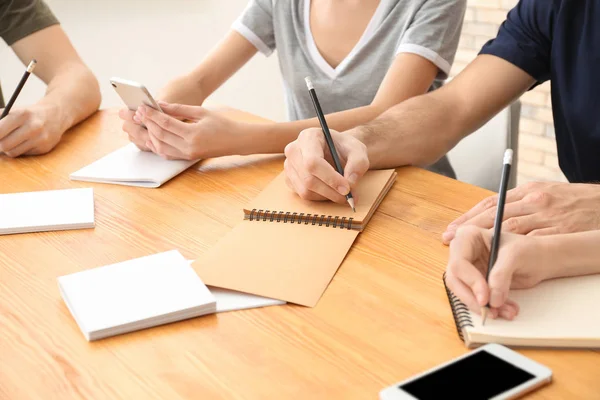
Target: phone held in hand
x=133, y=94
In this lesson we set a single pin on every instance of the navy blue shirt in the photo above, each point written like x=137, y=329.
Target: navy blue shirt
x=559, y=40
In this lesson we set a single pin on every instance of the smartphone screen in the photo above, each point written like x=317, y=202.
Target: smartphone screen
x=479, y=376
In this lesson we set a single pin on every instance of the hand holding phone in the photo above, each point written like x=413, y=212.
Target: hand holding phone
x=134, y=95
x=490, y=372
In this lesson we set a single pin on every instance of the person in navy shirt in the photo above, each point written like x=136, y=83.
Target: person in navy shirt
x=541, y=40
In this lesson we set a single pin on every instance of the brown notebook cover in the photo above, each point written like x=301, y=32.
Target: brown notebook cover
x=288, y=248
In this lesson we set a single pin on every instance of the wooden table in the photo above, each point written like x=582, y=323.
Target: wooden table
x=384, y=317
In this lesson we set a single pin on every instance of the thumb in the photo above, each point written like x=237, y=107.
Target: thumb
x=357, y=162
x=499, y=282
x=182, y=110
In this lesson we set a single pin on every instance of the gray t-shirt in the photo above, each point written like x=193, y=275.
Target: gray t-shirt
x=429, y=28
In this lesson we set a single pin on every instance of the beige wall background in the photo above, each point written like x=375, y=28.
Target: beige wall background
x=153, y=40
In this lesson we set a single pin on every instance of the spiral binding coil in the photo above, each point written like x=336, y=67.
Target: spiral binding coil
x=299, y=218
x=460, y=312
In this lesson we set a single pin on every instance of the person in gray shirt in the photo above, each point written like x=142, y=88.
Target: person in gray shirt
x=363, y=57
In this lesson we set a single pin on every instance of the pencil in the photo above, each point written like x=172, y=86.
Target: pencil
x=14, y=96
x=328, y=138
x=508, y=155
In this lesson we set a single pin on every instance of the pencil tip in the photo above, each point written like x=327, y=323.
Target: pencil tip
x=351, y=202
x=484, y=313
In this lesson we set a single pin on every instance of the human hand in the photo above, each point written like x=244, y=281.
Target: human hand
x=309, y=168
x=29, y=131
x=205, y=133
x=546, y=208
x=520, y=265
x=137, y=132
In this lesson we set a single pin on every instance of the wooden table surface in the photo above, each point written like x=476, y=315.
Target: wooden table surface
x=383, y=318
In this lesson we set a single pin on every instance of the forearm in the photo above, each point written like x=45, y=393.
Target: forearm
x=219, y=65
x=273, y=137
x=571, y=254
x=72, y=95
x=418, y=131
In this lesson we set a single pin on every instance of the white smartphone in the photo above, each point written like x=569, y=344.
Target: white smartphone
x=490, y=372
x=133, y=94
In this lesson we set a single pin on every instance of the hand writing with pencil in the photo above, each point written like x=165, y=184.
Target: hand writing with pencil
x=523, y=262
x=309, y=167
x=30, y=131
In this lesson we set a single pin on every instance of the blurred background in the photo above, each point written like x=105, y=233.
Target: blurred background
x=151, y=41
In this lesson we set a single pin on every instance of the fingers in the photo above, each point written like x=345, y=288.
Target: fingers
x=499, y=282
x=159, y=137
x=357, y=163
x=13, y=121
x=9, y=145
x=312, y=176
x=163, y=149
x=182, y=110
x=544, y=232
x=21, y=149
x=294, y=182
x=128, y=115
x=164, y=121
x=484, y=213
x=138, y=135
x=509, y=310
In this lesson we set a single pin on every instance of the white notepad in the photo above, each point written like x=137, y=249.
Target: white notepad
x=555, y=313
x=50, y=210
x=135, y=294
x=132, y=167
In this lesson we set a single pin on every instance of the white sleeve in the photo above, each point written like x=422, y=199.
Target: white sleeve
x=435, y=32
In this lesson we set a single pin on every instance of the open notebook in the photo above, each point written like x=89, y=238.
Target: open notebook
x=49, y=210
x=288, y=248
x=132, y=167
x=556, y=313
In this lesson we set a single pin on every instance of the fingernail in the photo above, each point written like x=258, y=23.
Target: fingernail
x=162, y=103
x=496, y=298
x=480, y=298
x=141, y=110
x=342, y=190
x=448, y=236
x=493, y=313
x=451, y=227
x=352, y=179
x=136, y=118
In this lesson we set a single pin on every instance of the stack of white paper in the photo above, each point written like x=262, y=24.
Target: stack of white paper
x=132, y=167
x=50, y=210
x=135, y=294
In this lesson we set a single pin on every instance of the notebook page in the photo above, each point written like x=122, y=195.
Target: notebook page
x=46, y=210
x=131, y=166
x=556, y=309
x=289, y=262
x=278, y=197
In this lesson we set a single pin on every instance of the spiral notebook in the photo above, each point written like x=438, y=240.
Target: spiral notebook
x=555, y=313
x=132, y=167
x=287, y=248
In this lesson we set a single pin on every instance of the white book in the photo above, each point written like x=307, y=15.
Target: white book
x=49, y=210
x=231, y=300
x=132, y=167
x=134, y=295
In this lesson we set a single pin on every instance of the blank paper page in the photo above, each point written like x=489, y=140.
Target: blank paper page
x=46, y=211
x=131, y=165
x=133, y=291
x=563, y=308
